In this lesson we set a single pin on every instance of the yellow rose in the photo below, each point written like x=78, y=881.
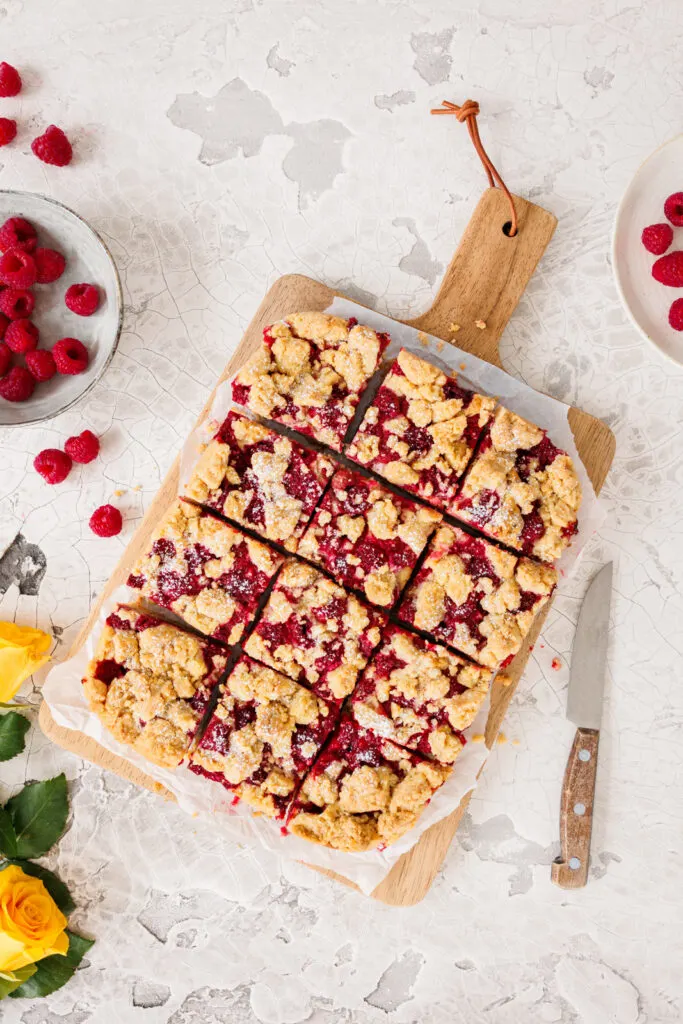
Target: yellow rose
x=31, y=924
x=22, y=651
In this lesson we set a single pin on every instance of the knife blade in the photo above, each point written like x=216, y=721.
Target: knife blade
x=584, y=709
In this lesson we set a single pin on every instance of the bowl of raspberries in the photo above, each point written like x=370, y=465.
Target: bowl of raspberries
x=61, y=307
x=647, y=249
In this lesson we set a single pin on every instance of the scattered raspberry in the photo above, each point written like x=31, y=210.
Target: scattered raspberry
x=8, y=130
x=41, y=364
x=4, y=324
x=667, y=270
x=106, y=521
x=556, y=664
x=18, y=385
x=22, y=336
x=10, y=80
x=53, y=465
x=673, y=209
x=50, y=265
x=5, y=358
x=16, y=303
x=17, y=269
x=83, y=447
x=53, y=147
x=17, y=233
x=71, y=356
x=82, y=299
x=657, y=238
x=676, y=315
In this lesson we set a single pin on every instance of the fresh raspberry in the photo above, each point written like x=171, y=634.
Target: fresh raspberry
x=667, y=270
x=41, y=364
x=83, y=447
x=10, y=80
x=82, y=299
x=4, y=324
x=53, y=465
x=49, y=265
x=17, y=233
x=53, y=147
x=17, y=269
x=22, y=336
x=18, y=385
x=676, y=315
x=106, y=521
x=657, y=238
x=8, y=130
x=17, y=303
x=5, y=358
x=71, y=356
x=673, y=209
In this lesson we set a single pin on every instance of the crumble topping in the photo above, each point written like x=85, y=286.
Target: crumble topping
x=521, y=489
x=476, y=597
x=149, y=683
x=422, y=428
x=260, y=479
x=312, y=630
x=367, y=537
x=310, y=372
x=207, y=572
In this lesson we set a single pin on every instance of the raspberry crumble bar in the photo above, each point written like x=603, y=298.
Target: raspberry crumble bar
x=420, y=695
x=310, y=372
x=150, y=683
x=521, y=489
x=367, y=537
x=260, y=479
x=363, y=791
x=476, y=597
x=314, y=632
x=421, y=430
x=263, y=736
x=207, y=572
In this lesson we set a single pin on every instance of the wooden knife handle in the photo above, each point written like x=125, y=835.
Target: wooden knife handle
x=570, y=870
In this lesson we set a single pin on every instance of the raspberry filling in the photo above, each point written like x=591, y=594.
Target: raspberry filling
x=109, y=670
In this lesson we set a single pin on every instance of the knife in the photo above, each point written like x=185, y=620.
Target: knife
x=584, y=709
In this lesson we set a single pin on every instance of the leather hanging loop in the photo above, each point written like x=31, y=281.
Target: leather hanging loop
x=467, y=114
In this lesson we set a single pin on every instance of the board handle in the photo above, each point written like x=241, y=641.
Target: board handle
x=488, y=274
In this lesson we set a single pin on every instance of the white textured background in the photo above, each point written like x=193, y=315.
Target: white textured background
x=222, y=143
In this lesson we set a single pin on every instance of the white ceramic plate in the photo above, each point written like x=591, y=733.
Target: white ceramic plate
x=87, y=260
x=648, y=302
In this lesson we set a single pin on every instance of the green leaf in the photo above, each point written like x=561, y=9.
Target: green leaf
x=11, y=980
x=8, y=837
x=13, y=728
x=55, y=886
x=38, y=815
x=54, y=971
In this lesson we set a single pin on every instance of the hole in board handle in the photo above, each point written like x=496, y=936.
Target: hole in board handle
x=507, y=228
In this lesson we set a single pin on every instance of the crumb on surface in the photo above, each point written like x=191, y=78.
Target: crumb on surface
x=515, y=743
x=504, y=679
x=478, y=737
x=454, y=328
x=138, y=487
x=481, y=324
x=556, y=664
x=501, y=738
x=119, y=493
x=463, y=366
x=422, y=338
x=440, y=345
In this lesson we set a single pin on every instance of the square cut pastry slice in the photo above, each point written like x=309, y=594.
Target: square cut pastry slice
x=150, y=683
x=310, y=372
x=314, y=632
x=521, y=489
x=260, y=479
x=421, y=429
x=363, y=791
x=263, y=736
x=476, y=597
x=420, y=695
x=210, y=574
x=367, y=537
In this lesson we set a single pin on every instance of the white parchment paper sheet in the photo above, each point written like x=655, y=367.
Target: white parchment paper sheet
x=64, y=693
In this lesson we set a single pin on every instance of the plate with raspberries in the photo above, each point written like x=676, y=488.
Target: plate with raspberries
x=61, y=307
x=647, y=249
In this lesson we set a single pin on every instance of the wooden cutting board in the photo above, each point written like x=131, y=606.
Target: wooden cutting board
x=484, y=282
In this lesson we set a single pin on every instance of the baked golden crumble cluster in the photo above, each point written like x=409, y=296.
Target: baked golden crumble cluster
x=150, y=683
x=309, y=374
x=205, y=571
x=263, y=736
x=339, y=683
